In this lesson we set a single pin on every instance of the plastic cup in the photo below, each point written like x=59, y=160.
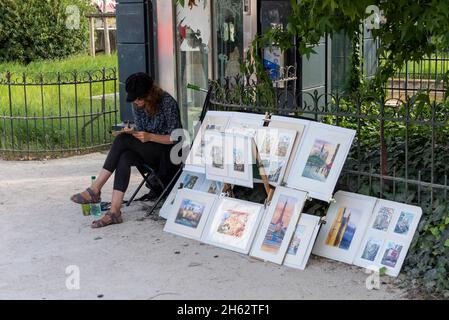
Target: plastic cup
x=86, y=209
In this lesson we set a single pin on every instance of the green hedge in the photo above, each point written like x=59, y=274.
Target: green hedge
x=35, y=30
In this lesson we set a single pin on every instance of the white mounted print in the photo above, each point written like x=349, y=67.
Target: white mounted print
x=188, y=180
x=213, y=187
x=388, y=236
x=189, y=213
x=278, y=225
x=216, y=121
x=290, y=123
x=346, y=222
x=302, y=242
x=233, y=224
x=229, y=158
x=319, y=162
x=274, y=146
x=245, y=123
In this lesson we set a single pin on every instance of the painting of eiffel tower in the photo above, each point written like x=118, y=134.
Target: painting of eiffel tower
x=279, y=223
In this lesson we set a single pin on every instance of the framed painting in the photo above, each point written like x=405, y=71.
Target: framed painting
x=233, y=225
x=278, y=225
x=211, y=186
x=301, y=245
x=346, y=222
x=389, y=234
x=188, y=180
x=215, y=121
x=229, y=158
x=274, y=146
x=319, y=162
x=300, y=126
x=189, y=213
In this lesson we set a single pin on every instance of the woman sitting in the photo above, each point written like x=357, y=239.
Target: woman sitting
x=156, y=116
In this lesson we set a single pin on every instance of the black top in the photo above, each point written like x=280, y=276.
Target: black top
x=166, y=119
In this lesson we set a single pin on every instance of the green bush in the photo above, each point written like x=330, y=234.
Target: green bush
x=427, y=264
x=36, y=30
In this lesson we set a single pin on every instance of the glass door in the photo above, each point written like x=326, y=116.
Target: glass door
x=193, y=35
x=228, y=31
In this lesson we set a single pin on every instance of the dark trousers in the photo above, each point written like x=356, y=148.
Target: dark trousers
x=127, y=151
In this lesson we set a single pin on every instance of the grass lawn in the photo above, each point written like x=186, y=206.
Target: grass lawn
x=76, y=63
x=428, y=68
x=68, y=100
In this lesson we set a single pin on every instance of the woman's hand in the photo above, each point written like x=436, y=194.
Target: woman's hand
x=143, y=136
x=128, y=130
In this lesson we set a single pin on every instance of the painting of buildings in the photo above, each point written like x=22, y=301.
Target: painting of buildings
x=279, y=224
x=404, y=222
x=383, y=218
x=391, y=255
x=321, y=160
x=239, y=165
x=371, y=249
x=189, y=213
x=343, y=228
x=217, y=157
x=296, y=240
x=233, y=223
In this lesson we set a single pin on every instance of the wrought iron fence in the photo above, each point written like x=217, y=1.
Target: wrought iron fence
x=426, y=75
x=56, y=113
x=400, y=151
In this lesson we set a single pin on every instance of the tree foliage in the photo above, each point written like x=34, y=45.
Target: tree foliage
x=408, y=30
x=37, y=29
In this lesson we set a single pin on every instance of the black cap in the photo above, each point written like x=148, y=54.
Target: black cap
x=137, y=86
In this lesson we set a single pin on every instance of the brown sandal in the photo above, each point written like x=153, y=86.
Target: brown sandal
x=94, y=198
x=114, y=219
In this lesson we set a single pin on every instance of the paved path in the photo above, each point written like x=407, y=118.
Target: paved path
x=42, y=233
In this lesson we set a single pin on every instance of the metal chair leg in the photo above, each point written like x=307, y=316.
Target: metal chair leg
x=138, y=188
x=168, y=187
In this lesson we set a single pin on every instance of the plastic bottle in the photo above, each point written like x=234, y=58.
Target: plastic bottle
x=95, y=208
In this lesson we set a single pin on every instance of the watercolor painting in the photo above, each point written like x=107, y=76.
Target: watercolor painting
x=371, y=249
x=233, y=223
x=217, y=157
x=189, y=213
x=296, y=240
x=391, y=254
x=404, y=222
x=343, y=228
x=284, y=142
x=189, y=181
x=239, y=164
x=321, y=160
x=383, y=219
x=279, y=223
x=215, y=187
